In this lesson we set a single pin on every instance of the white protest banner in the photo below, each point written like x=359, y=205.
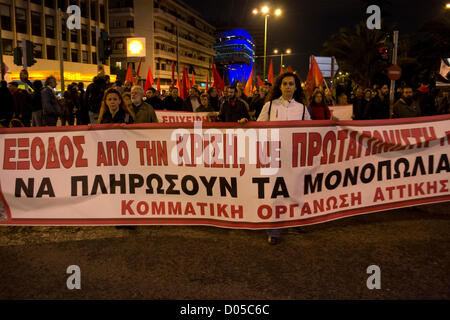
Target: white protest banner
x=179, y=116
x=256, y=176
x=344, y=112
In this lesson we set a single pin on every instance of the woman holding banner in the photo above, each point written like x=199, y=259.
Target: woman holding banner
x=284, y=102
x=114, y=109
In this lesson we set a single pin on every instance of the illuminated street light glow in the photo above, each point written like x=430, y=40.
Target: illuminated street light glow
x=265, y=9
x=135, y=47
x=255, y=11
x=277, y=12
x=447, y=6
x=275, y=51
x=288, y=51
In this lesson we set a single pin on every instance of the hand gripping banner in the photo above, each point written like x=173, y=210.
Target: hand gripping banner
x=254, y=176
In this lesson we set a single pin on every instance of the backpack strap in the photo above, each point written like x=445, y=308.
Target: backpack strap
x=270, y=108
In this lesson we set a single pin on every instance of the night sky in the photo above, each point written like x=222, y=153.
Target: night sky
x=306, y=24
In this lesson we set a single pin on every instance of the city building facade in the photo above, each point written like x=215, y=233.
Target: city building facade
x=38, y=21
x=174, y=33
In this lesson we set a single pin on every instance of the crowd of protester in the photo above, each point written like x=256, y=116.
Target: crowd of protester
x=106, y=102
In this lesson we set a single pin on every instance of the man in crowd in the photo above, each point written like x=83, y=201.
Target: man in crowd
x=378, y=108
x=192, y=102
x=213, y=98
x=94, y=97
x=258, y=100
x=152, y=99
x=173, y=101
x=144, y=113
x=51, y=110
x=406, y=106
x=6, y=105
x=233, y=109
x=22, y=103
x=358, y=103
x=443, y=103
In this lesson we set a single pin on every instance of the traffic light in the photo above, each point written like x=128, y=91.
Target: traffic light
x=18, y=56
x=385, y=52
x=30, y=53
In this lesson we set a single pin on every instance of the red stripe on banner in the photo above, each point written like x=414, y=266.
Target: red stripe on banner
x=230, y=224
x=251, y=124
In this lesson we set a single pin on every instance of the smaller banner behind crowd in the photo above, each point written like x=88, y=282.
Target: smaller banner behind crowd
x=255, y=176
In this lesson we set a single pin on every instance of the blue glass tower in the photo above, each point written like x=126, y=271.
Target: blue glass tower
x=235, y=54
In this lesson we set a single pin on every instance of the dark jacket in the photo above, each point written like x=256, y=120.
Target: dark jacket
x=173, y=105
x=214, y=102
x=404, y=110
x=257, y=104
x=94, y=94
x=187, y=104
x=377, y=108
x=155, y=102
x=233, y=110
x=51, y=109
x=202, y=108
x=120, y=117
x=6, y=105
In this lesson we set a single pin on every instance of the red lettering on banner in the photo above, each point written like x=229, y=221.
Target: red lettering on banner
x=152, y=153
x=351, y=149
x=342, y=136
x=443, y=185
x=52, y=156
x=9, y=154
x=126, y=207
x=80, y=162
x=298, y=138
x=416, y=133
x=378, y=195
x=202, y=206
x=65, y=142
x=306, y=209
x=280, y=210
x=314, y=146
x=265, y=208
x=431, y=136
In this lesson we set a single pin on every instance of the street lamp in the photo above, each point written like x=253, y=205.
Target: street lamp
x=265, y=11
x=447, y=6
x=288, y=51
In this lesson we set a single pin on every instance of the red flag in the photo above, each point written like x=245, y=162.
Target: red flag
x=290, y=69
x=207, y=81
x=193, y=79
x=249, y=85
x=138, y=70
x=129, y=76
x=270, y=74
x=185, y=84
x=315, y=77
x=218, y=82
x=158, y=86
x=178, y=82
x=260, y=82
x=173, y=73
x=281, y=70
x=149, y=81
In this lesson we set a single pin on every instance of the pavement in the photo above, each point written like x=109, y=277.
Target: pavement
x=325, y=261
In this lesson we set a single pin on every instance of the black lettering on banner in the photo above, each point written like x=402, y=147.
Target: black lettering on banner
x=28, y=190
x=208, y=184
x=363, y=177
x=224, y=186
x=280, y=184
x=328, y=183
x=184, y=187
x=430, y=164
x=159, y=188
x=387, y=165
x=418, y=164
x=135, y=181
x=46, y=188
x=98, y=181
x=353, y=177
x=170, y=178
x=84, y=185
x=260, y=182
x=309, y=185
x=397, y=168
x=113, y=183
x=443, y=164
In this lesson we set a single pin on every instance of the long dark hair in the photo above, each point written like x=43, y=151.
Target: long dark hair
x=275, y=91
x=104, y=108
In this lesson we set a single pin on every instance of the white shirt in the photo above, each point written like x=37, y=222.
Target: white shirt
x=283, y=110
